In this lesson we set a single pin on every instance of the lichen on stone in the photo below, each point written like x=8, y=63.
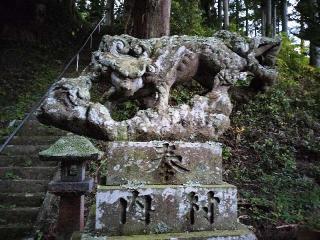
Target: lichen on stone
x=146, y=71
x=71, y=146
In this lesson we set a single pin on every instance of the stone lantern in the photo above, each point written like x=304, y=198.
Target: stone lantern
x=73, y=152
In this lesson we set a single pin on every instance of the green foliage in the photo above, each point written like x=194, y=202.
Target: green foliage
x=226, y=152
x=275, y=159
x=5, y=132
x=90, y=10
x=28, y=163
x=182, y=94
x=25, y=99
x=39, y=235
x=8, y=206
x=125, y=110
x=187, y=18
x=10, y=175
x=290, y=61
x=25, y=75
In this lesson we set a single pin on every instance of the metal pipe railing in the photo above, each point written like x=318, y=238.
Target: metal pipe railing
x=35, y=107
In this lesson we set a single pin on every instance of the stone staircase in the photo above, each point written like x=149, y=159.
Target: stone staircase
x=24, y=179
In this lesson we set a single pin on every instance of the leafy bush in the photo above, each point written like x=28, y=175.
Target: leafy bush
x=125, y=110
x=187, y=18
x=275, y=159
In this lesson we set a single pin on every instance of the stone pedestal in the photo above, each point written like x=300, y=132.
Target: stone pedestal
x=159, y=162
x=165, y=190
x=165, y=208
x=71, y=216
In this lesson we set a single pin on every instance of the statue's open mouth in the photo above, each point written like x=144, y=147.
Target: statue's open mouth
x=126, y=85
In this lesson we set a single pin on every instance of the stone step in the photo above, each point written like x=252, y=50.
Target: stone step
x=33, y=140
x=21, y=199
x=36, y=173
x=20, y=214
x=34, y=128
x=32, y=122
x=15, y=231
x=23, y=149
x=24, y=161
x=23, y=186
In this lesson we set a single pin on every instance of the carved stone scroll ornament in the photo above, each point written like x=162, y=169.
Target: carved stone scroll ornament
x=146, y=70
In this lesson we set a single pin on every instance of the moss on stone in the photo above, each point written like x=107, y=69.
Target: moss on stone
x=71, y=146
x=186, y=235
x=223, y=185
x=122, y=134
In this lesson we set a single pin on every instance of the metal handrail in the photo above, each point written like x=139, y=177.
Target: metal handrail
x=35, y=107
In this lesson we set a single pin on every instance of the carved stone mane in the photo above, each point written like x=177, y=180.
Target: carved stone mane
x=146, y=70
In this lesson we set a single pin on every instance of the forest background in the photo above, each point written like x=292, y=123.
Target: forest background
x=271, y=152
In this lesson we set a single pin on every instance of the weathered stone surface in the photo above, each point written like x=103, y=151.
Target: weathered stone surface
x=146, y=70
x=76, y=188
x=160, y=162
x=242, y=234
x=71, y=148
x=165, y=208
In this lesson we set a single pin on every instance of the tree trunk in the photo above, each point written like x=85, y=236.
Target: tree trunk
x=314, y=49
x=263, y=19
x=278, y=23
x=237, y=14
x=109, y=12
x=69, y=8
x=284, y=17
x=206, y=5
x=220, y=13
x=274, y=18
x=128, y=9
x=314, y=55
x=149, y=18
x=302, y=50
x=214, y=13
x=226, y=14
x=268, y=18
x=247, y=18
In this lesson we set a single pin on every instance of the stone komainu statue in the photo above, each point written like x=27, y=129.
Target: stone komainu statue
x=146, y=70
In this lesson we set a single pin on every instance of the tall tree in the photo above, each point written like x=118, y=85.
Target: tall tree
x=314, y=55
x=310, y=13
x=315, y=43
x=206, y=7
x=237, y=3
x=226, y=14
x=220, y=20
x=263, y=19
x=247, y=17
x=148, y=18
x=284, y=16
x=110, y=12
x=274, y=18
x=268, y=8
x=214, y=13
